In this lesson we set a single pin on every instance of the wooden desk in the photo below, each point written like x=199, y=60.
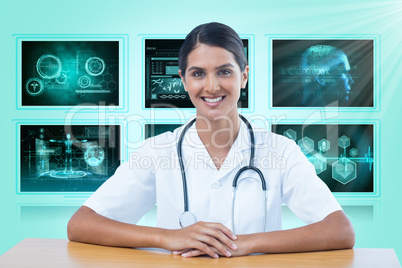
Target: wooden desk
x=33, y=252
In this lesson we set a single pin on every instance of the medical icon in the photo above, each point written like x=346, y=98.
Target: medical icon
x=291, y=134
x=319, y=162
x=306, y=145
x=343, y=142
x=353, y=152
x=84, y=81
x=94, y=156
x=48, y=66
x=62, y=78
x=94, y=66
x=344, y=170
x=324, y=145
x=34, y=86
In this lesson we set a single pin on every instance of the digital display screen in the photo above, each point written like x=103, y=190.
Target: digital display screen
x=151, y=130
x=163, y=85
x=71, y=158
x=319, y=73
x=67, y=73
x=342, y=154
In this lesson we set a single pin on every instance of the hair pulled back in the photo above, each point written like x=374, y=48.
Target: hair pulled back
x=212, y=34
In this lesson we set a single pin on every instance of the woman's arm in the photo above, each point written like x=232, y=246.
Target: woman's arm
x=89, y=227
x=334, y=232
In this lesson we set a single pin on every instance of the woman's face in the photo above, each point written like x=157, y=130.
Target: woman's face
x=213, y=80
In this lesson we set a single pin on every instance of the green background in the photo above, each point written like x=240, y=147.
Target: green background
x=376, y=219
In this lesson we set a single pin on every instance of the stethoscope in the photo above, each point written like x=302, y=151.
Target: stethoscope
x=187, y=218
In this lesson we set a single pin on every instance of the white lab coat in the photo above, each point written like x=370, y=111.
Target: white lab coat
x=152, y=176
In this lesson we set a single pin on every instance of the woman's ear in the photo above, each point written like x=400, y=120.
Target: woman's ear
x=244, y=77
x=183, y=80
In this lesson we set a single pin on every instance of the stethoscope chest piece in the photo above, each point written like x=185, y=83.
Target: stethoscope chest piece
x=186, y=219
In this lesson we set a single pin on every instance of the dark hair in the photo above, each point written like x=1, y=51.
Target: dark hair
x=213, y=34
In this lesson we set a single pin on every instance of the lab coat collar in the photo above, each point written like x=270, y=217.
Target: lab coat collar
x=239, y=153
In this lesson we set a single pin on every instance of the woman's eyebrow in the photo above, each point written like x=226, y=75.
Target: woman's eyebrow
x=225, y=66
x=219, y=67
x=195, y=68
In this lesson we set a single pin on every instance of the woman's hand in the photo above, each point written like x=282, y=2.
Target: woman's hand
x=242, y=250
x=213, y=239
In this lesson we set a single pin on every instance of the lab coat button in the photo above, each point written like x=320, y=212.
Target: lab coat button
x=216, y=185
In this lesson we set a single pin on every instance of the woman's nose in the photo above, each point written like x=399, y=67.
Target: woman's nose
x=212, y=84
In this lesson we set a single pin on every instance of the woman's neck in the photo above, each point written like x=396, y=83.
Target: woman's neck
x=218, y=135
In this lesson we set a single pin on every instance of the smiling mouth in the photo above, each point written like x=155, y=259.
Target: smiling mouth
x=209, y=100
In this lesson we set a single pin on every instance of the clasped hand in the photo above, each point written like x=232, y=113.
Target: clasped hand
x=201, y=238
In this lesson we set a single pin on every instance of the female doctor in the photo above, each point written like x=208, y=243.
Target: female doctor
x=207, y=206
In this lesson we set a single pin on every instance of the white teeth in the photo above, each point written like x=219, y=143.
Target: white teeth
x=213, y=100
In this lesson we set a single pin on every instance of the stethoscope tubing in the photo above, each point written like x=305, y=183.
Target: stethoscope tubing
x=251, y=166
x=183, y=173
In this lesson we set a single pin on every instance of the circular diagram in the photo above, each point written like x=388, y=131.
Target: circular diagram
x=94, y=66
x=48, y=66
x=62, y=78
x=67, y=174
x=34, y=87
x=94, y=156
x=84, y=81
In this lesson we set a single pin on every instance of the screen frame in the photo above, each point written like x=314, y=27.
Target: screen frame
x=376, y=153
x=123, y=92
x=20, y=123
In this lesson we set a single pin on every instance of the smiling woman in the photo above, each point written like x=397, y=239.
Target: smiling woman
x=213, y=69
x=213, y=82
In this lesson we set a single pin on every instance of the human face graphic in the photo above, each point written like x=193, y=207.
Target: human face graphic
x=340, y=81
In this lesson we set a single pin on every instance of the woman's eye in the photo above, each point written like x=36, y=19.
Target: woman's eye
x=224, y=72
x=198, y=74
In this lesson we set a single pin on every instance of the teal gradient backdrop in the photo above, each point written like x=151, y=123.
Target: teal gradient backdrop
x=376, y=219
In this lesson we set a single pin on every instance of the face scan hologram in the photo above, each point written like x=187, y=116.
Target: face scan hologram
x=342, y=154
x=67, y=158
x=57, y=73
x=319, y=73
x=325, y=76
